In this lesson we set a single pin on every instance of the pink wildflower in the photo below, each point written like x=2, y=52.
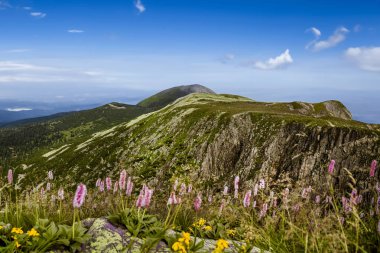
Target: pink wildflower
x=147, y=197
x=175, y=186
x=209, y=198
x=263, y=211
x=262, y=184
x=373, y=168
x=354, y=197
x=236, y=194
x=42, y=192
x=172, y=199
x=189, y=188
x=101, y=186
x=48, y=186
x=10, y=176
x=122, y=179
x=140, y=199
x=317, y=199
x=98, y=182
x=115, y=187
x=183, y=189
x=198, y=202
x=108, y=183
x=236, y=183
x=304, y=194
x=80, y=195
x=346, y=205
x=50, y=175
x=61, y=193
x=331, y=167
x=129, y=187
x=225, y=190
x=247, y=199
x=297, y=207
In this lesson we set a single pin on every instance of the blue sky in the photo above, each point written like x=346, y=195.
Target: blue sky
x=98, y=51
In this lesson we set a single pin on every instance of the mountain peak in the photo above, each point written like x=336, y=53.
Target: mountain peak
x=168, y=96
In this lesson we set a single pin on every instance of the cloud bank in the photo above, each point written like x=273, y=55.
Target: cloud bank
x=280, y=61
x=366, y=58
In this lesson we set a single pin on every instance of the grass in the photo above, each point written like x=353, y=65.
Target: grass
x=273, y=219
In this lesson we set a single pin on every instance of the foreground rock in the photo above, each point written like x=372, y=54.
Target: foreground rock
x=106, y=237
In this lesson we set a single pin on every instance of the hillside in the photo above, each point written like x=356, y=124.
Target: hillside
x=22, y=138
x=208, y=139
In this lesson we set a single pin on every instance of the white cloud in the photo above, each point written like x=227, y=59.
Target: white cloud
x=139, y=6
x=366, y=58
x=337, y=37
x=317, y=33
x=280, y=61
x=38, y=14
x=75, y=31
x=18, y=109
x=27, y=8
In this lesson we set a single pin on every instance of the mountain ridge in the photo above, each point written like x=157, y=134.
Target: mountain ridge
x=213, y=137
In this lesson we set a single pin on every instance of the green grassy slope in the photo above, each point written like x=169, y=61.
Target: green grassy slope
x=169, y=141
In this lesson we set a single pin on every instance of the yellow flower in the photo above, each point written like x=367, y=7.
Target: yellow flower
x=186, y=238
x=208, y=228
x=231, y=232
x=221, y=243
x=201, y=222
x=1, y=227
x=33, y=232
x=17, y=231
x=178, y=247
x=17, y=244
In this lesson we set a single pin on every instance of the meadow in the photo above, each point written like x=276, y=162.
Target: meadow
x=238, y=217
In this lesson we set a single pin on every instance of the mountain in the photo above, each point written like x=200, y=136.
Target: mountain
x=12, y=110
x=207, y=139
x=168, y=96
x=22, y=138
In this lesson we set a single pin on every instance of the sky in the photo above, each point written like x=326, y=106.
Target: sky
x=77, y=51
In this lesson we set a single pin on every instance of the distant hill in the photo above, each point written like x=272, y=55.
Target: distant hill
x=168, y=96
x=21, y=138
